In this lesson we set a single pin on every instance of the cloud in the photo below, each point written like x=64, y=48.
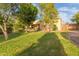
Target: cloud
x=64, y=16
x=63, y=9
x=66, y=13
x=68, y=9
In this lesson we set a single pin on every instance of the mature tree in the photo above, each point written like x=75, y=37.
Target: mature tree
x=49, y=12
x=16, y=23
x=5, y=11
x=27, y=13
x=75, y=18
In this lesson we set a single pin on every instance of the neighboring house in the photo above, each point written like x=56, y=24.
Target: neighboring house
x=59, y=24
x=42, y=26
x=36, y=26
x=70, y=27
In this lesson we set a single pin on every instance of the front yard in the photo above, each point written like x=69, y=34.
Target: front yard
x=38, y=43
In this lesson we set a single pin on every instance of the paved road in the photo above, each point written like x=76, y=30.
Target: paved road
x=74, y=37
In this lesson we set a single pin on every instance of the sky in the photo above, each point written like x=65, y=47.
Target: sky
x=67, y=10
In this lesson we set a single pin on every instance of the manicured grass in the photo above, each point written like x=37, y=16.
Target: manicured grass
x=69, y=48
x=38, y=43
x=18, y=44
x=47, y=45
x=1, y=38
x=11, y=36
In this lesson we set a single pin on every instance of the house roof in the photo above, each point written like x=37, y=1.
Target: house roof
x=36, y=21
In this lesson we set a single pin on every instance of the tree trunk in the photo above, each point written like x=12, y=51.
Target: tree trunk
x=5, y=35
x=3, y=26
x=4, y=32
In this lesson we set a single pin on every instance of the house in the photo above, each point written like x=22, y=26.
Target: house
x=70, y=27
x=36, y=26
x=59, y=23
x=41, y=25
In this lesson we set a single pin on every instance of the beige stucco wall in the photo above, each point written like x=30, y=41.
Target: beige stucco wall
x=59, y=24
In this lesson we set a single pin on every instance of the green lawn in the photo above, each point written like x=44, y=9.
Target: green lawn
x=11, y=36
x=37, y=43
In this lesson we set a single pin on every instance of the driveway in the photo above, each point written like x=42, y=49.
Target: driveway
x=74, y=37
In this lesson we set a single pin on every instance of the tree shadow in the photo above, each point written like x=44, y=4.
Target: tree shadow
x=14, y=35
x=65, y=35
x=11, y=36
x=72, y=39
x=47, y=45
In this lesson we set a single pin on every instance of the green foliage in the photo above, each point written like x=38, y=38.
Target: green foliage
x=18, y=25
x=5, y=12
x=27, y=13
x=54, y=27
x=76, y=18
x=49, y=11
x=5, y=6
x=1, y=19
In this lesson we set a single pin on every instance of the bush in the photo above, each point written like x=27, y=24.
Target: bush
x=54, y=27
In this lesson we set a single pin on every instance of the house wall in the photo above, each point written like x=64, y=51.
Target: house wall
x=59, y=24
x=70, y=27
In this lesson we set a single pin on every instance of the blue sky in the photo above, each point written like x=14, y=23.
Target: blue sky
x=67, y=10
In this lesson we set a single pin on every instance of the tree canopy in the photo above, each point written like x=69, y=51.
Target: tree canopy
x=28, y=13
x=49, y=11
x=5, y=11
x=20, y=12
x=75, y=18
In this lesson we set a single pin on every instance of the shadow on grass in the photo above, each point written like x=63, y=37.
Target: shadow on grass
x=11, y=36
x=48, y=45
x=65, y=35
x=73, y=39
x=14, y=35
